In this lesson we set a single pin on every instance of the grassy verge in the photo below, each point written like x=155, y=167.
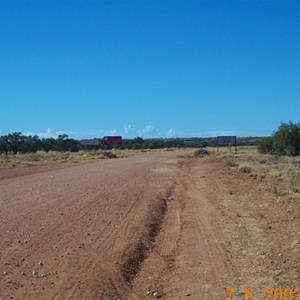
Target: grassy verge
x=42, y=158
x=282, y=173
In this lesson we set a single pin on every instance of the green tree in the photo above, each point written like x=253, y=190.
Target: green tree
x=16, y=142
x=48, y=144
x=284, y=141
x=61, y=142
x=72, y=145
x=287, y=139
x=266, y=145
x=138, y=143
x=4, y=146
x=32, y=144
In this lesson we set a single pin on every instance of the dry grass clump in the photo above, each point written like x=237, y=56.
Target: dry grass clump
x=282, y=173
x=295, y=183
x=231, y=163
x=245, y=168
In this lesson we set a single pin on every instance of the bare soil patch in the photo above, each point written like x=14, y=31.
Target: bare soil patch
x=159, y=225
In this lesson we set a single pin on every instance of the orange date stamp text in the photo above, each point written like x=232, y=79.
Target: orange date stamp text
x=270, y=294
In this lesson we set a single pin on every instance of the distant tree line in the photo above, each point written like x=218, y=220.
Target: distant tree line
x=161, y=143
x=16, y=142
x=284, y=141
x=195, y=142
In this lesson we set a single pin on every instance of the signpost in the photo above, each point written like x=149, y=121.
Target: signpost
x=93, y=142
x=90, y=144
x=227, y=141
x=112, y=140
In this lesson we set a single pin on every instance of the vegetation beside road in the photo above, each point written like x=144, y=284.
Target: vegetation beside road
x=284, y=141
x=17, y=142
x=55, y=157
x=276, y=158
x=280, y=173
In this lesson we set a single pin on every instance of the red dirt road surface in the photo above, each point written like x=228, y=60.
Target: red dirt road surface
x=157, y=225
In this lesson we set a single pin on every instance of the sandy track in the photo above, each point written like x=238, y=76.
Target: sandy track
x=189, y=261
x=68, y=233
x=151, y=226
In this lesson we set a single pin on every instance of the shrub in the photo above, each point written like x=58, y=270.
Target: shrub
x=231, y=163
x=285, y=141
x=245, y=168
x=266, y=145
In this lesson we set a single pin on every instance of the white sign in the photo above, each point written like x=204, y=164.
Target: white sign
x=93, y=142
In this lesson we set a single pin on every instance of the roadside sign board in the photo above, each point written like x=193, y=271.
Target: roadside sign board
x=91, y=142
x=112, y=140
x=226, y=141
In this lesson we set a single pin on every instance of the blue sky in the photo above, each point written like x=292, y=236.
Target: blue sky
x=149, y=68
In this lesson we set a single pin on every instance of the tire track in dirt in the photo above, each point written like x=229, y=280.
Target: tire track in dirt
x=189, y=259
x=79, y=237
x=200, y=261
x=209, y=239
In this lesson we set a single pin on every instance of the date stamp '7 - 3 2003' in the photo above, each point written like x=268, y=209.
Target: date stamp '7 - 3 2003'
x=270, y=294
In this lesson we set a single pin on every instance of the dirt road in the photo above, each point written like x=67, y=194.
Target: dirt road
x=157, y=225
